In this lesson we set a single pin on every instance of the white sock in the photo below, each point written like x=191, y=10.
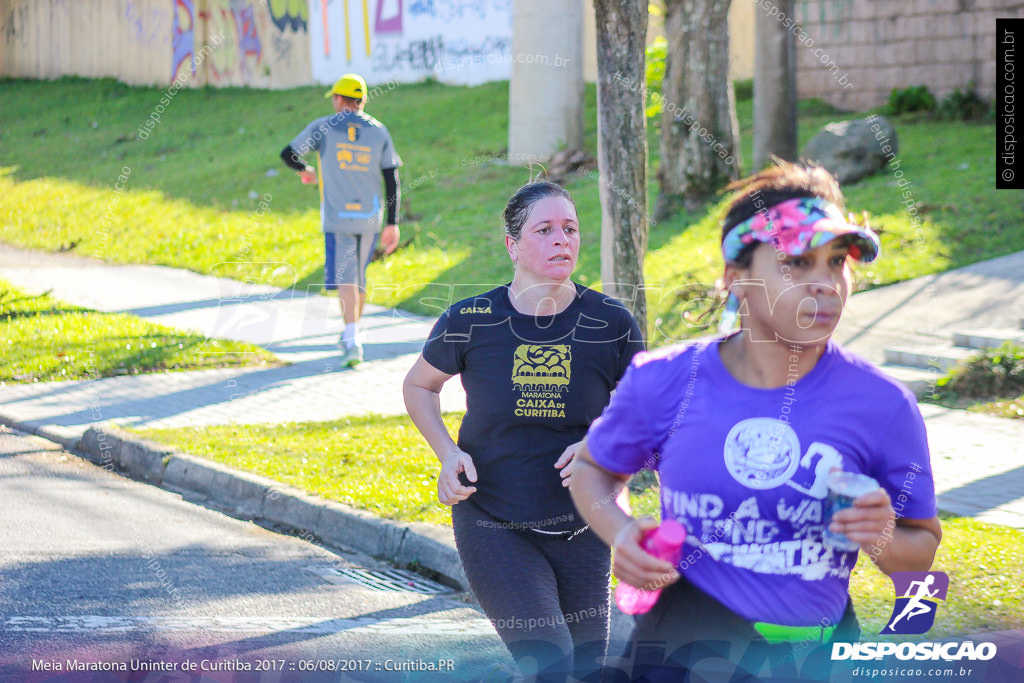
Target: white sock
x=350, y=334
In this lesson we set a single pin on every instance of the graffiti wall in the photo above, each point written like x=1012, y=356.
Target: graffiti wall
x=262, y=43
x=259, y=43
x=455, y=41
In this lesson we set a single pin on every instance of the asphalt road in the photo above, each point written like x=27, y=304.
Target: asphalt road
x=101, y=572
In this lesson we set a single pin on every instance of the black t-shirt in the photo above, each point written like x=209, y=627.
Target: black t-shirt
x=533, y=386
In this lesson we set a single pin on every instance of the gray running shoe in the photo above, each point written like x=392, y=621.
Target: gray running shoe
x=352, y=355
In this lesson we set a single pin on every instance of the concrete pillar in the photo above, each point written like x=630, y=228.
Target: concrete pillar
x=590, y=42
x=546, y=90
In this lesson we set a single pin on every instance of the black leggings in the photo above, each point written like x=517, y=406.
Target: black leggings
x=546, y=596
x=688, y=635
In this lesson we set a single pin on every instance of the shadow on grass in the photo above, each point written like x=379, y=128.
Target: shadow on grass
x=310, y=283
x=20, y=315
x=447, y=287
x=117, y=355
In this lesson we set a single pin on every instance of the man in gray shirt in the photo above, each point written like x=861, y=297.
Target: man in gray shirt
x=352, y=148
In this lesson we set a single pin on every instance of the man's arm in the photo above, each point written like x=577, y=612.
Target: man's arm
x=293, y=161
x=392, y=196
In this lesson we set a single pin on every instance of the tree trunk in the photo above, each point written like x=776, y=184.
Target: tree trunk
x=774, y=86
x=622, y=150
x=699, y=131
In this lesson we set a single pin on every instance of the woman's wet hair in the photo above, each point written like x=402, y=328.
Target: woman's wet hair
x=774, y=185
x=518, y=207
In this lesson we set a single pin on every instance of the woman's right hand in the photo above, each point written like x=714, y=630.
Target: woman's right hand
x=634, y=565
x=449, y=489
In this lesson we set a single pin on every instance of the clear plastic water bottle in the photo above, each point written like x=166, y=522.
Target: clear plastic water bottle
x=665, y=543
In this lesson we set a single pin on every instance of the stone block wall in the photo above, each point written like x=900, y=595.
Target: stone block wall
x=856, y=51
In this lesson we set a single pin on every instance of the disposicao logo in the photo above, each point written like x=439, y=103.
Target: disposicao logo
x=917, y=600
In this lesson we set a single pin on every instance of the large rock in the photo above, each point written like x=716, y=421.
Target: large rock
x=852, y=150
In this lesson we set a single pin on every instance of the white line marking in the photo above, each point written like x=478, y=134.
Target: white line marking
x=103, y=624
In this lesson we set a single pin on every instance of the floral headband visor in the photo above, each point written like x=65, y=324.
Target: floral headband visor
x=798, y=225
x=793, y=227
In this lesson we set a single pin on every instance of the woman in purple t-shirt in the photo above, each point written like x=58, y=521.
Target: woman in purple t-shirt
x=744, y=431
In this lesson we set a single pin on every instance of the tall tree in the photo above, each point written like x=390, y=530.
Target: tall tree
x=774, y=85
x=699, y=131
x=622, y=149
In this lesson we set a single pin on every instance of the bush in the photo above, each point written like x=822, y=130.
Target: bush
x=913, y=99
x=654, y=67
x=963, y=105
x=815, y=106
x=744, y=90
x=643, y=481
x=995, y=373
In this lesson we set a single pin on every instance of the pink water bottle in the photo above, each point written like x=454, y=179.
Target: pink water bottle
x=665, y=543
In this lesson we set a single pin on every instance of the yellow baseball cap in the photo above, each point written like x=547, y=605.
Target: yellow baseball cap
x=349, y=85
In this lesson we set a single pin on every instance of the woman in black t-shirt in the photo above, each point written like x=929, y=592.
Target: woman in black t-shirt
x=538, y=358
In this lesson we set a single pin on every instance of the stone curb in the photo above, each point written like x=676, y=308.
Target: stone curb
x=251, y=497
x=68, y=438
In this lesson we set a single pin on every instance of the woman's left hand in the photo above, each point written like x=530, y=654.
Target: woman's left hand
x=864, y=523
x=565, y=462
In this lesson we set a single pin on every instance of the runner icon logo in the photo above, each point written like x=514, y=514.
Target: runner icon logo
x=917, y=600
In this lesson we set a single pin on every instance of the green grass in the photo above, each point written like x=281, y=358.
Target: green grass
x=379, y=464
x=44, y=339
x=1013, y=409
x=343, y=460
x=985, y=564
x=187, y=198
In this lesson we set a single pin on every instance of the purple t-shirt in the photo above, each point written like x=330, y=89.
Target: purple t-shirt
x=744, y=469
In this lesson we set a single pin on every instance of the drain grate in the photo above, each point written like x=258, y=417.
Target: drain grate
x=385, y=581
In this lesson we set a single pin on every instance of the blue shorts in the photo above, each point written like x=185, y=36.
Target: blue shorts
x=347, y=256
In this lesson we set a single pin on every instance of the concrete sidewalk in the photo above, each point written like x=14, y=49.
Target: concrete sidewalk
x=978, y=460
x=925, y=310
x=300, y=328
